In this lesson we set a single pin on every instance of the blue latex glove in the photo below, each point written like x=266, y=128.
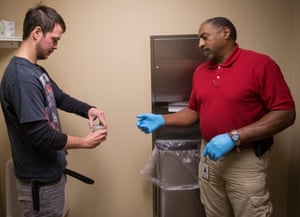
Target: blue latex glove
x=218, y=146
x=149, y=122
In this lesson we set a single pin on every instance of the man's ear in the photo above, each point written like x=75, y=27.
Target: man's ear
x=226, y=32
x=37, y=33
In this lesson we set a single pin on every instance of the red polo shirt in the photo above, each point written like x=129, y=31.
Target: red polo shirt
x=238, y=92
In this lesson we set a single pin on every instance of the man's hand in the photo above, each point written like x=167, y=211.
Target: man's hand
x=93, y=139
x=149, y=122
x=94, y=114
x=218, y=146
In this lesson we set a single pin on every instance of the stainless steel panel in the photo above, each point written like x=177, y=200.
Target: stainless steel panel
x=181, y=204
x=174, y=59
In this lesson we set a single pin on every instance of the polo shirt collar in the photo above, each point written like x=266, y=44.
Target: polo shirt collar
x=229, y=61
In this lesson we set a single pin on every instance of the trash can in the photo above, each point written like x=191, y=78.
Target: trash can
x=173, y=169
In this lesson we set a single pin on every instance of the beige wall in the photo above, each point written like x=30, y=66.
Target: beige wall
x=104, y=58
x=294, y=162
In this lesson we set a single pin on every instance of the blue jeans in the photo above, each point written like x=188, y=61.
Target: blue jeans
x=52, y=199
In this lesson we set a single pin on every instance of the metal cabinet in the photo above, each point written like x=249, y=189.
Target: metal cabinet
x=173, y=61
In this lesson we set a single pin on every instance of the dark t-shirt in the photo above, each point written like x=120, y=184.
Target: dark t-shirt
x=29, y=95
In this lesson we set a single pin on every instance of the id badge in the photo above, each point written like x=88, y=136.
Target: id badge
x=205, y=171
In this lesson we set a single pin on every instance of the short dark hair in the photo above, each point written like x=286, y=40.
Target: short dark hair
x=223, y=22
x=43, y=16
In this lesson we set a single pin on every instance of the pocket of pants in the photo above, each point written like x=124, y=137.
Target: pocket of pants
x=258, y=201
x=262, y=205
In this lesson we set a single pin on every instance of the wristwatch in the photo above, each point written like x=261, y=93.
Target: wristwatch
x=235, y=136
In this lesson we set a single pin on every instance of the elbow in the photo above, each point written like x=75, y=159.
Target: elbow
x=290, y=120
x=293, y=118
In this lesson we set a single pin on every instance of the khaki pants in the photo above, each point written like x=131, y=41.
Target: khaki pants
x=235, y=185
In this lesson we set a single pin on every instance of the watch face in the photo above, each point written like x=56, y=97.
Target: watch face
x=235, y=137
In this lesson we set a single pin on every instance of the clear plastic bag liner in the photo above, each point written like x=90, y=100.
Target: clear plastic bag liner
x=173, y=165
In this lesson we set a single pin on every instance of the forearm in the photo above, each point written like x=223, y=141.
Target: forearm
x=184, y=117
x=43, y=136
x=74, y=142
x=92, y=140
x=70, y=104
x=269, y=125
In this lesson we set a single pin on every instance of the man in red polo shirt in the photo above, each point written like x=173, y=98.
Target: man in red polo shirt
x=241, y=100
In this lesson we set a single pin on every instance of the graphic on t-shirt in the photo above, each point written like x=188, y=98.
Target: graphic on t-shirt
x=50, y=110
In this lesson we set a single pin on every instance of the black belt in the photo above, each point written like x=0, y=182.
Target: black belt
x=260, y=147
x=79, y=176
x=36, y=185
x=35, y=190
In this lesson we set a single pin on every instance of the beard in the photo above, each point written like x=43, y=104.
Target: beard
x=208, y=54
x=42, y=53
